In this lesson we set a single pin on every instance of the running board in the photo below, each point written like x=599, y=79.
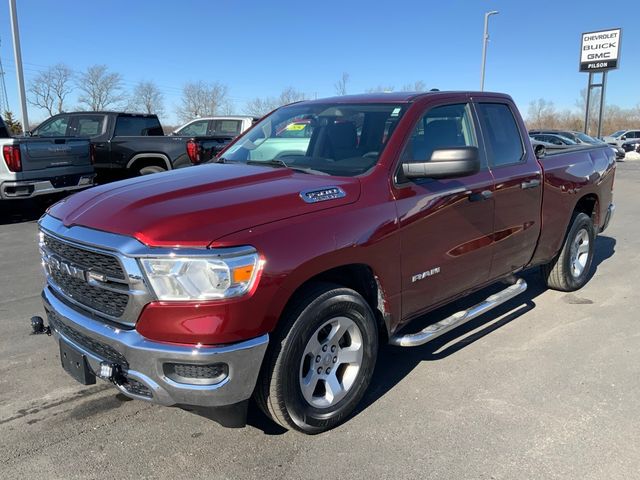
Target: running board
x=459, y=318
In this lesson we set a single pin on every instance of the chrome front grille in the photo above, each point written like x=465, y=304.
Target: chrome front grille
x=106, y=264
x=95, y=276
x=106, y=301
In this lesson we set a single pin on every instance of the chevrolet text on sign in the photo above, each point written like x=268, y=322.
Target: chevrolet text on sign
x=599, y=51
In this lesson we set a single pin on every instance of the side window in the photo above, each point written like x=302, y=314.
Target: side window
x=89, y=126
x=196, y=129
x=133, y=126
x=441, y=127
x=501, y=134
x=54, y=128
x=226, y=127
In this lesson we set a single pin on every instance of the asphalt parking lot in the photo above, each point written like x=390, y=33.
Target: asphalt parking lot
x=544, y=387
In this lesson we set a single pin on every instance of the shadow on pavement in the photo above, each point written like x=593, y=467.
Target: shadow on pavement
x=19, y=211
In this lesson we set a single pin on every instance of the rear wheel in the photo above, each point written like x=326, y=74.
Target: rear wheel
x=569, y=271
x=320, y=363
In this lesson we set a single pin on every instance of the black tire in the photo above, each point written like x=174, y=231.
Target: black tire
x=278, y=391
x=559, y=273
x=149, y=169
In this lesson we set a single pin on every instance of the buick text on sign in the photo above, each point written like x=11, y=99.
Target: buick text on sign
x=600, y=51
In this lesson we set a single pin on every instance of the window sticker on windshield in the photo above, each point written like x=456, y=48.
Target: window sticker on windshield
x=296, y=126
x=396, y=112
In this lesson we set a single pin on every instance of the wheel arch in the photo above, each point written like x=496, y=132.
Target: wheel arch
x=359, y=277
x=148, y=159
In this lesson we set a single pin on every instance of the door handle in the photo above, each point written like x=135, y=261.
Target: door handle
x=530, y=184
x=480, y=196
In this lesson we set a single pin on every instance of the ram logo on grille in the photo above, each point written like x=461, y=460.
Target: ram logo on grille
x=52, y=262
x=323, y=194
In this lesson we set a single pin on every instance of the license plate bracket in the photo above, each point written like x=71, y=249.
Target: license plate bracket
x=75, y=364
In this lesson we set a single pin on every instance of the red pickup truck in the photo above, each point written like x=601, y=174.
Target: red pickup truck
x=275, y=272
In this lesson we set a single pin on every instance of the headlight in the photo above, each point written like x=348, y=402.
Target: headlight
x=201, y=277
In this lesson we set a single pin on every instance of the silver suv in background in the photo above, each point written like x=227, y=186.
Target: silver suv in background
x=621, y=136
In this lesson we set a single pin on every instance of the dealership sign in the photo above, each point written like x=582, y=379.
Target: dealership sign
x=600, y=51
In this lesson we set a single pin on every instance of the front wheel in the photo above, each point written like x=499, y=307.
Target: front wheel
x=321, y=361
x=569, y=271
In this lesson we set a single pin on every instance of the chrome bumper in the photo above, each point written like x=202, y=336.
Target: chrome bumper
x=146, y=360
x=33, y=188
x=607, y=219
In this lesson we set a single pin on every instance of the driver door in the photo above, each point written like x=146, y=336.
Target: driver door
x=446, y=225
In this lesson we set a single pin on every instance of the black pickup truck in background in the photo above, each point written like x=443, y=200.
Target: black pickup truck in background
x=129, y=144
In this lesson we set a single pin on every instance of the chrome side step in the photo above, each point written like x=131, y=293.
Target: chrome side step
x=443, y=326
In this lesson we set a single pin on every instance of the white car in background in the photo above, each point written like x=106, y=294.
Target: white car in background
x=619, y=137
x=232, y=125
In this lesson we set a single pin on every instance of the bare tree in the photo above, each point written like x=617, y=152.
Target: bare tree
x=261, y=106
x=541, y=114
x=200, y=99
x=380, y=89
x=50, y=88
x=341, y=84
x=417, y=86
x=100, y=88
x=147, y=98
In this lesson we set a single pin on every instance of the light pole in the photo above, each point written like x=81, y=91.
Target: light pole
x=485, y=40
x=18, y=56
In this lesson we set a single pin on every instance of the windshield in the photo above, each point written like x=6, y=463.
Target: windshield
x=330, y=139
x=586, y=138
x=618, y=133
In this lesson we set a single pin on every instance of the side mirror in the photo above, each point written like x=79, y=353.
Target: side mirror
x=623, y=137
x=540, y=151
x=28, y=133
x=446, y=163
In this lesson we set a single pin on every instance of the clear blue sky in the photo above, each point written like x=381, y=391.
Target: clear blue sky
x=259, y=47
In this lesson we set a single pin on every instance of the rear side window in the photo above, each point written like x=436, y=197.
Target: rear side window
x=441, y=127
x=137, y=126
x=89, y=126
x=501, y=134
x=226, y=127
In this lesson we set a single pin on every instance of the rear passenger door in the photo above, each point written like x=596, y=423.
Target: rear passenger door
x=518, y=185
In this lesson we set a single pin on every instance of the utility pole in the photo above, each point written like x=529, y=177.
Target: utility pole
x=18, y=56
x=485, y=40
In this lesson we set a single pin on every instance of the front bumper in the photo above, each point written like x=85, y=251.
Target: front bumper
x=607, y=219
x=145, y=360
x=32, y=188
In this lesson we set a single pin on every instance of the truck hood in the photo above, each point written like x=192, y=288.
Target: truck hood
x=198, y=205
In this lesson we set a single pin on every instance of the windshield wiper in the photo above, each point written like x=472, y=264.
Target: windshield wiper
x=276, y=162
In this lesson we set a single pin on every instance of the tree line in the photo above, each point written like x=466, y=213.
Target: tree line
x=98, y=88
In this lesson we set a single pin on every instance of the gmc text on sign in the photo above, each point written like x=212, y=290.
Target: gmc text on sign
x=599, y=51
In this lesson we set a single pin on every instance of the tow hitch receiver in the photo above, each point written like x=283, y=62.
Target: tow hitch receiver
x=38, y=327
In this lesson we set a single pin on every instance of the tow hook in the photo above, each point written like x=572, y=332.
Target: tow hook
x=112, y=372
x=38, y=327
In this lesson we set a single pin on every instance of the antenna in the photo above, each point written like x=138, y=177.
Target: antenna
x=4, y=99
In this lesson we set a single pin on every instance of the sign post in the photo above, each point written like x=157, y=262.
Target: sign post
x=599, y=53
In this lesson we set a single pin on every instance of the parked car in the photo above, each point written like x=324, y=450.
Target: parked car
x=619, y=137
x=279, y=275
x=583, y=139
x=558, y=141
x=230, y=126
x=132, y=143
x=632, y=145
x=31, y=167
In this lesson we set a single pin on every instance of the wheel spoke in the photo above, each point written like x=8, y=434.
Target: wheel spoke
x=584, y=248
x=308, y=385
x=337, y=331
x=334, y=389
x=350, y=355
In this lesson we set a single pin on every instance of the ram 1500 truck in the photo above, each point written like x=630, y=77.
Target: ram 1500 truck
x=129, y=144
x=276, y=272
x=32, y=167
